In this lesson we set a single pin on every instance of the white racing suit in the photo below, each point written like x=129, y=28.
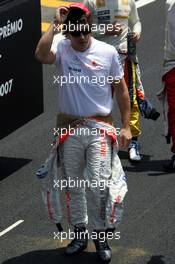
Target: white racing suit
x=89, y=153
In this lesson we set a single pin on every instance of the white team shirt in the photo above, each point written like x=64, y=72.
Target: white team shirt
x=84, y=91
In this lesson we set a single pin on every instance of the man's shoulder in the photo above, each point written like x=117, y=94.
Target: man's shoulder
x=60, y=42
x=105, y=46
x=64, y=42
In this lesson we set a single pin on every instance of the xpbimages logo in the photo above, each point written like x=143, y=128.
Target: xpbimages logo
x=102, y=235
x=81, y=79
x=84, y=131
x=100, y=28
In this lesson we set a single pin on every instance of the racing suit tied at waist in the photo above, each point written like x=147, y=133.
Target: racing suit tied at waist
x=50, y=173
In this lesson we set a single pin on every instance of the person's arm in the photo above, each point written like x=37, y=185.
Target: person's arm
x=134, y=21
x=43, y=50
x=123, y=100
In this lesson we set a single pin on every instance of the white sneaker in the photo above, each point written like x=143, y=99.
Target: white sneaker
x=134, y=151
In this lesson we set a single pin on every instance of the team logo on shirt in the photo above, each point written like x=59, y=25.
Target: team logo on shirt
x=94, y=63
x=74, y=69
x=100, y=3
x=103, y=16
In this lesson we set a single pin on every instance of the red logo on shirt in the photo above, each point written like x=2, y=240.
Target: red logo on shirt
x=94, y=63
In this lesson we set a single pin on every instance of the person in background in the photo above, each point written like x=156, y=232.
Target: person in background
x=122, y=15
x=169, y=78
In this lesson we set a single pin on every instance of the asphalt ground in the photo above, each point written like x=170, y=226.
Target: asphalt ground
x=147, y=229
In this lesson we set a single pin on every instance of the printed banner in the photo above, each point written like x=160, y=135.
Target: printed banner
x=21, y=88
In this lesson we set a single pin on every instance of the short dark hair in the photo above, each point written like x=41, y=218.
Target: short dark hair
x=77, y=16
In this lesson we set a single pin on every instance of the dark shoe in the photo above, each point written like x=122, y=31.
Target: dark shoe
x=170, y=166
x=79, y=243
x=103, y=250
